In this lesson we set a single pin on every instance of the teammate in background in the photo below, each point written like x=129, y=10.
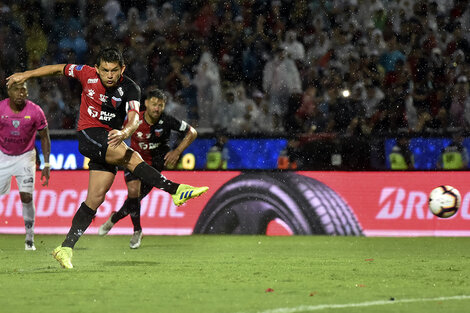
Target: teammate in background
x=455, y=155
x=401, y=157
x=20, y=119
x=152, y=141
x=108, y=97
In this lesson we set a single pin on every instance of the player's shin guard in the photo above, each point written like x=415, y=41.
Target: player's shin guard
x=135, y=213
x=154, y=178
x=28, y=217
x=80, y=223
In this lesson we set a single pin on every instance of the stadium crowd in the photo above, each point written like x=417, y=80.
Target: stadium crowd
x=269, y=67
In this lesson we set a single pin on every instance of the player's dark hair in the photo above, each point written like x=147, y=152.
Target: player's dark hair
x=110, y=55
x=156, y=93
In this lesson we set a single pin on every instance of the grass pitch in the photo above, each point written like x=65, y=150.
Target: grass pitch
x=238, y=274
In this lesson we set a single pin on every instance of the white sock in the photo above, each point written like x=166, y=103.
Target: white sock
x=28, y=217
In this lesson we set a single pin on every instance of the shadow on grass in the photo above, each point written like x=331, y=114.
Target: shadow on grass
x=130, y=263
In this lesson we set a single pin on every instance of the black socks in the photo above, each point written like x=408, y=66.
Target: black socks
x=131, y=206
x=154, y=178
x=135, y=214
x=80, y=222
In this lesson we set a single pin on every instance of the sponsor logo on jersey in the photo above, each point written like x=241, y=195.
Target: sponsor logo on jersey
x=92, y=111
x=106, y=116
x=91, y=93
x=15, y=123
x=116, y=99
x=79, y=67
x=148, y=146
x=158, y=132
x=103, y=98
x=121, y=92
x=27, y=117
x=92, y=80
x=71, y=70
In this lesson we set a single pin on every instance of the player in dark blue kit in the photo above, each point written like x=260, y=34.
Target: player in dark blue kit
x=152, y=141
x=108, y=98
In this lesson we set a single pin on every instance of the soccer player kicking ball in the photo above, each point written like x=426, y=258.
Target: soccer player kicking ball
x=19, y=121
x=108, y=97
x=151, y=140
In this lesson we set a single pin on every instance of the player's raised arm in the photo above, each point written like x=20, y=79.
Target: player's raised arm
x=46, y=70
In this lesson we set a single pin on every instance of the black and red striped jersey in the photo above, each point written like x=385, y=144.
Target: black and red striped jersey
x=153, y=141
x=100, y=106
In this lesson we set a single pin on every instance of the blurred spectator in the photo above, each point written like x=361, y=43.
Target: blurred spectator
x=309, y=116
x=113, y=12
x=281, y=79
x=51, y=101
x=319, y=47
x=460, y=104
x=132, y=27
x=392, y=54
x=294, y=48
x=175, y=107
x=264, y=119
x=228, y=113
x=373, y=97
x=209, y=89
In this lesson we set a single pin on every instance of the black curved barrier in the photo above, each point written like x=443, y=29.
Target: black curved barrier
x=247, y=203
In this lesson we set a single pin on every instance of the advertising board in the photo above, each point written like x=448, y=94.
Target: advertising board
x=261, y=202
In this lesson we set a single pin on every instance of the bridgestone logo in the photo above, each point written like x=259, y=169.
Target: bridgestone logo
x=397, y=203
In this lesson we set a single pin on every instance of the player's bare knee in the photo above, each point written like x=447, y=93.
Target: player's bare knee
x=94, y=201
x=135, y=159
x=133, y=192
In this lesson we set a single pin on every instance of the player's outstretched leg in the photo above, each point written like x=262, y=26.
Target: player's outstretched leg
x=186, y=192
x=179, y=192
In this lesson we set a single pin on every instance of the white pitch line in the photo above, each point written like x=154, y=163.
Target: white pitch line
x=309, y=308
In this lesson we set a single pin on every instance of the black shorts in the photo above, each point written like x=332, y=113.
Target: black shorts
x=93, y=143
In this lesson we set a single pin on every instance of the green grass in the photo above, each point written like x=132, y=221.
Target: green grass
x=232, y=273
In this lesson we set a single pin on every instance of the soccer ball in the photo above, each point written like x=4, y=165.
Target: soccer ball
x=444, y=201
